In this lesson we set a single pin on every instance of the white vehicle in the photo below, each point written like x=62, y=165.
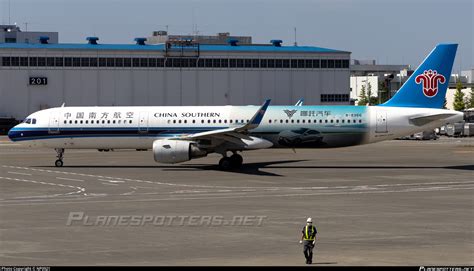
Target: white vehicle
x=181, y=133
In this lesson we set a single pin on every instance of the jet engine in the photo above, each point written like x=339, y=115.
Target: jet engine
x=176, y=151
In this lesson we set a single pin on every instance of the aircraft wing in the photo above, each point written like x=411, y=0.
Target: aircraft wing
x=423, y=120
x=233, y=134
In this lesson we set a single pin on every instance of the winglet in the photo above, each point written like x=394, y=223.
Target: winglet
x=257, y=118
x=299, y=102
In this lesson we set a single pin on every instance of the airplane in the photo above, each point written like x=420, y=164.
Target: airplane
x=177, y=134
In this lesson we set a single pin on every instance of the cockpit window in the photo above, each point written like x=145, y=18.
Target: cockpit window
x=33, y=121
x=28, y=121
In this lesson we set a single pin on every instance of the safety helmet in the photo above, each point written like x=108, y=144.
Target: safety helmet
x=309, y=220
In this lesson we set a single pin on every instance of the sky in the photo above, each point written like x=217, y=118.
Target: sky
x=391, y=32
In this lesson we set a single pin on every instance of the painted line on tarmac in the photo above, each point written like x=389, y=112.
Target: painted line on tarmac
x=79, y=189
x=42, y=202
x=69, y=179
x=19, y=173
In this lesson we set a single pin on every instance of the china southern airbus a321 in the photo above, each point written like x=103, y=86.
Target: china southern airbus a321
x=181, y=133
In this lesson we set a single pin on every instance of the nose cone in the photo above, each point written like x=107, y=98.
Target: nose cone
x=13, y=134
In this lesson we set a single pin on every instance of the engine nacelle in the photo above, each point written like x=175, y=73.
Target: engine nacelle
x=176, y=151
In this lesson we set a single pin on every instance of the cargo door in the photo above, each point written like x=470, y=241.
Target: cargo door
x=143, y=123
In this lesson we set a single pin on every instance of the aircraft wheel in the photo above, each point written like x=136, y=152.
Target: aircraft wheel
x=58, y=163
x=236, y=160
x=225, y=163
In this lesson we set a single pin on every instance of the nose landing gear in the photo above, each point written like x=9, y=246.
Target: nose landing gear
x=60, y=154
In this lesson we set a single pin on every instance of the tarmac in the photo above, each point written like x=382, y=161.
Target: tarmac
x=390, y=203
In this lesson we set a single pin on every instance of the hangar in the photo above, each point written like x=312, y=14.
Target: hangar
x=41, y=75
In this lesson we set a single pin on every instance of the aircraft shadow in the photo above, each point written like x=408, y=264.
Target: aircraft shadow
x=256, y=168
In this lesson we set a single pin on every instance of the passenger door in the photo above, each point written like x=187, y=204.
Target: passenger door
x=381, y=122
x=53, y=127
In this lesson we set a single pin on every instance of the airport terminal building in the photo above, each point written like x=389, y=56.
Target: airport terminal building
x=180, y=72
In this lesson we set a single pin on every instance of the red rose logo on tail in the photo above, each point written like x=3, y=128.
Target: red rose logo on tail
x=430, y=81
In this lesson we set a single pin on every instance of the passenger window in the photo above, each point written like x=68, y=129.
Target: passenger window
x=130, y=121
x=81, y=121
x=214, y=121
x=225, y=121
x=185, y=121
x=70, y=122
x=292, y=121
x=281, y=121
x=194, y=121
x=65, y=121
x=326, y=121
x=108, y=122
x=202, y=121
x=75, y=122
x=179, y=121
x=269, y=121
x=360, y=121
x=174, y=121
x=286, y=121
x=113, y=121
x=103, y=121
x=208, y=121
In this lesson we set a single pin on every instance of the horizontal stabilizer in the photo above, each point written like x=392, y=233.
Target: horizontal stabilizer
x=423, y=120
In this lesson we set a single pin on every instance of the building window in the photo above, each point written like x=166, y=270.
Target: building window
x=6, y=61
x=308, y=63
x=271, y=63
x=301, y=63
x=345, y=63
x=50, y=61
x=294, y=63
x=102, y=62
x=41, y=61
x=316, y=63
x=278, y=63
x=324, y=63
x=127, y=62
x=240, y=63
x=136, y=62
x=224, y=63
x=76, y=61
x=144, y=62
x=118, y=62
x=33, y=61
x=286, y=63
x=255, y=63
x=151, y=62
x=263, y=63
x=59, y=61
x=110, y=62
x=85, y=62
x=24, y=61
x=248, y=63
x=160, y=62
x=201, y=62
x=334, y=98
x=216, y=63
x=93, y=61
x=331, y=63
x=338, y=63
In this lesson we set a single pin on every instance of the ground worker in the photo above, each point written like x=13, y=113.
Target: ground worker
x=308, y=239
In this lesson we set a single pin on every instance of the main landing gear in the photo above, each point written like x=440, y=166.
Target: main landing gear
x=232, y=162
x=60, y=154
